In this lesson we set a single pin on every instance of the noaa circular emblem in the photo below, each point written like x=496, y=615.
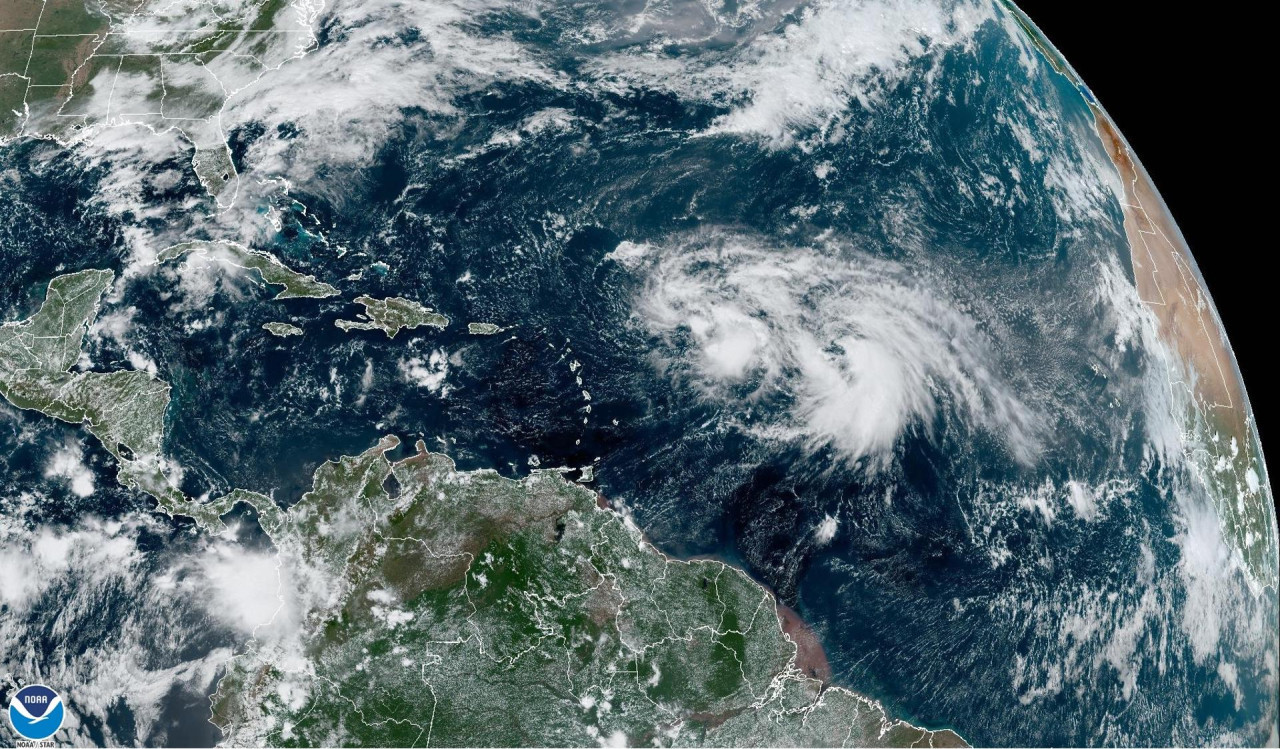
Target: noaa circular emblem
x=36, y=712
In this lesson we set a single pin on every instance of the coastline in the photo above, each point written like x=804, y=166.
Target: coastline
x=1204, y=376
x=810, y=662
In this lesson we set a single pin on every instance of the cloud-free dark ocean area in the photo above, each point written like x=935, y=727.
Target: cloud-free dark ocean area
x=876, y=362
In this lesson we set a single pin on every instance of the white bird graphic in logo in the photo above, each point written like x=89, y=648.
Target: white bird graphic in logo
x=31, y=719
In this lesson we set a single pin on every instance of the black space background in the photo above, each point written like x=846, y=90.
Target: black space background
x=1188, y=91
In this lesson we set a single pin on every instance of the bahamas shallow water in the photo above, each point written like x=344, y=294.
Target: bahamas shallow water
x=953, y=584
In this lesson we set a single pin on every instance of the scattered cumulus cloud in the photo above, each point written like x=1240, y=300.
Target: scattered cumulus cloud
x=67, y=463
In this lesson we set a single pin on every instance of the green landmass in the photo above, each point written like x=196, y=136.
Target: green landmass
x=69, y=67
x=392, y=315
x=123, y=409
x=423, y=601
x=468, y=609
x=482, y=328
x=1221, y=444
x=282, y=329
x=268, y=267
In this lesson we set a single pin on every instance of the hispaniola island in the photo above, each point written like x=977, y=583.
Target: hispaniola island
x=506, y=373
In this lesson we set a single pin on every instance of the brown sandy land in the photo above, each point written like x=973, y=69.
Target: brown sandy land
x=20, y=14
x=1166, y=279
x=1168, y=284
x=1164, y=271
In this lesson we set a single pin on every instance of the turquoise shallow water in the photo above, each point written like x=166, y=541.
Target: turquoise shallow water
x=927, y=263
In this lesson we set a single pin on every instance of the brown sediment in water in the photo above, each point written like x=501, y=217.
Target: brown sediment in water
x=811, y=658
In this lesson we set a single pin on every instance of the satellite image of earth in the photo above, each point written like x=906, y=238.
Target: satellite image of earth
x=505, y=373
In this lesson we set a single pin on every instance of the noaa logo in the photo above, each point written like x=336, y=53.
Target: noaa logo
x=36, y=712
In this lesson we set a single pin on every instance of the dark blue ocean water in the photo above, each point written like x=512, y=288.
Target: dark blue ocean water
x=906, y=597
